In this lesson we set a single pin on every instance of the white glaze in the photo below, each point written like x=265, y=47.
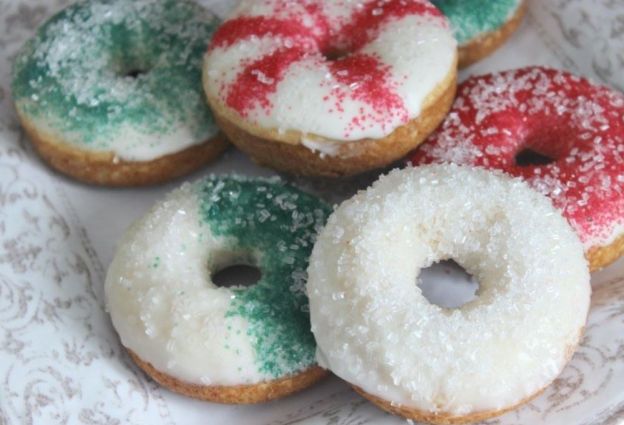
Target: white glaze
x=83, y=68
x=376, y=330
x=172, y=315
x=131, y=142
x=420, y=52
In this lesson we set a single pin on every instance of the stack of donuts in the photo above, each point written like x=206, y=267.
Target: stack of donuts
x=518, y=176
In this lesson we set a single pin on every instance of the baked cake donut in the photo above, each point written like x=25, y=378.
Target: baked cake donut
x=376, y=330
x=330, y=87
x=481, y=26
x=110, y=91
x=575, y=125
x=223, y=344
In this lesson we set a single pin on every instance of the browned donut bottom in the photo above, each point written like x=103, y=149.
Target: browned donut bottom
x=439, y=418
x=103, y=168
x=285, y=151
x=237, y=394
x=445, y=418
x=486, y=44
x=600, y=257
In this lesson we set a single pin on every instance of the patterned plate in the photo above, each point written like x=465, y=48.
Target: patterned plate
x=60, y=360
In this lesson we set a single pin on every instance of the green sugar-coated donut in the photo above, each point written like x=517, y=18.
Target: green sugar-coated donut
x=118, y=76
x=473, y=18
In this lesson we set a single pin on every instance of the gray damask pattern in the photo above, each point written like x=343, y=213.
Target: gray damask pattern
x=60, y=360
x=55, y=337
x=587, y=33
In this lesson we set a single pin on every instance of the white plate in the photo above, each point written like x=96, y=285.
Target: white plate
x=60, y=360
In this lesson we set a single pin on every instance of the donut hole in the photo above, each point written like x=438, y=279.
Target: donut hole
x=237, y=275
x=233, y=268
x=132, y=68
x=447, y=284
x=545, y=144
x=529, y=157
x=134, y=73
x=333, y=54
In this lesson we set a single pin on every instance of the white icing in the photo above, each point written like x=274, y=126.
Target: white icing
x=419, y=51
x=164, y=305
x=81, y=59
x=131, y=142
x=321, y=147
x=375, y=329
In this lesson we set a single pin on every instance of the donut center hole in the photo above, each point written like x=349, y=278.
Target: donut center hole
x=529, y=157
x=131, y=68
x=335, y=54
x=447, y=284
x=237, y=275
x=134, y=73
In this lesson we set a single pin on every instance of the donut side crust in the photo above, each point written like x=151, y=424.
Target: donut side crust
x=238, y=394
x=103, y=168
x=285, y=151
x=440, y=418
x=600, y=257
x=445, y=418
x=486, y=44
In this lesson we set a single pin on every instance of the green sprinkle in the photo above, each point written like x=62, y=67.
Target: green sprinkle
x=279, y=224
x=471, y=18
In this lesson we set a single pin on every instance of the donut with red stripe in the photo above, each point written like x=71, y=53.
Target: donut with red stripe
x=561, y=133
x=331, y=87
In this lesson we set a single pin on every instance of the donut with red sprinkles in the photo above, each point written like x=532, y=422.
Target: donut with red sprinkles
x=563, y=134
x=331, y=87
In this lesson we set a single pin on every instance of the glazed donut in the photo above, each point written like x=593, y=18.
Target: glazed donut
x=375, y=329
x=222, y=344
x=329, y=87
x=110, y=91
x=481, y=26
x=576, y=125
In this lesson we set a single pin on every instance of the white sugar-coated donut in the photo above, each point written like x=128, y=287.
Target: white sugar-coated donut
x=375, y=329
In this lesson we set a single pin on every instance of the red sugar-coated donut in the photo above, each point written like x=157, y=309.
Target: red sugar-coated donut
x=570, y=130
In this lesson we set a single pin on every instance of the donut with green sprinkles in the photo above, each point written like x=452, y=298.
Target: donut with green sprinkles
x=231, y=343
x=481, y=26
x=110, y=91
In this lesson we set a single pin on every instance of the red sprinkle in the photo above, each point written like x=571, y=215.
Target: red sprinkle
x=243, y=28
x=259, y=79
x=365, y=24
x=369, y=80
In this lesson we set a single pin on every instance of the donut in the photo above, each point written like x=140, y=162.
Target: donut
x=110, y=92
x=376, y=330
x=330, y=88
x=575, y=126
x=481, y=26
x=240, y=344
